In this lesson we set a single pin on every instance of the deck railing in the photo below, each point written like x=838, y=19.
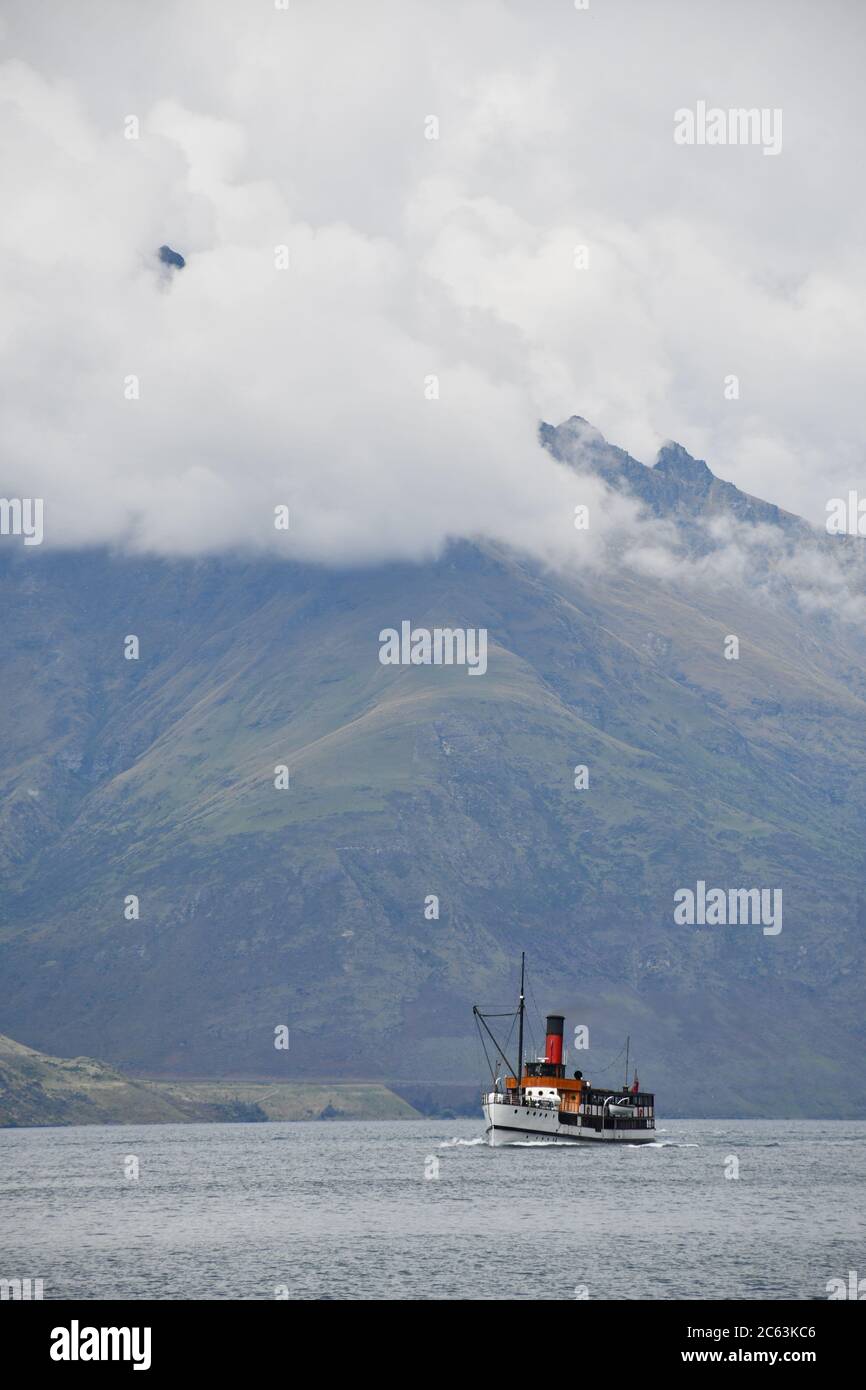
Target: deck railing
x=603, y=1121
x=497, y=1098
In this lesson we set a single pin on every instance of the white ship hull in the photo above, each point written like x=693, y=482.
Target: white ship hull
x=522, y=1124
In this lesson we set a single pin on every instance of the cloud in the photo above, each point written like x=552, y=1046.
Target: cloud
x=411, y=259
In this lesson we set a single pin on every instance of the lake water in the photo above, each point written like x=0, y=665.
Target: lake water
x=345, y=1210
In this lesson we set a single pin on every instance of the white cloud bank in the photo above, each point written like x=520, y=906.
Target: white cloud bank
x=412, y=257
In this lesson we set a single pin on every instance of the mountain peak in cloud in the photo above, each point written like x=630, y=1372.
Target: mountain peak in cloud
x=170, y=257
x=677, y=463
x=581, y=431
x=677, y=485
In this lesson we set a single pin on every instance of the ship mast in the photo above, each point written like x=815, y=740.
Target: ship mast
x=520, y=1035
x=627, y=1041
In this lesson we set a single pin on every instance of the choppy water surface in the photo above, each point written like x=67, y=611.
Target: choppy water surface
x=347, y=1210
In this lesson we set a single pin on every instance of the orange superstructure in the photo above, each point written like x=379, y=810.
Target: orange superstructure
x=561, y=1083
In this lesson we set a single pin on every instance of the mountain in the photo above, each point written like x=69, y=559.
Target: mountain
x=305, y=907
x=38, y=1090
x=677, y=486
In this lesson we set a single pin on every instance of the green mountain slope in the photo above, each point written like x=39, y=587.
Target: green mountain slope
x=38, y=1090
x=305, y=907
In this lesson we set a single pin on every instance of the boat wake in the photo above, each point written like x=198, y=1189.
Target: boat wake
x=662, y=1144
x=463, y=1143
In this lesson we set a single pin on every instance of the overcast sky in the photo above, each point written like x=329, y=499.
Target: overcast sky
x=411, y=257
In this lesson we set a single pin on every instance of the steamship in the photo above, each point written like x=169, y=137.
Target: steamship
x=539, y=1102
